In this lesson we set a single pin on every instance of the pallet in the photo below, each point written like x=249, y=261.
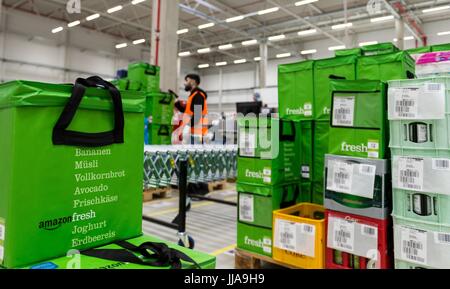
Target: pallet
x=216, y=186
x=248, y=260
x=160, y=193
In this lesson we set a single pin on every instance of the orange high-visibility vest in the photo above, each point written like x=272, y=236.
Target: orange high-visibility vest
x=200, y=128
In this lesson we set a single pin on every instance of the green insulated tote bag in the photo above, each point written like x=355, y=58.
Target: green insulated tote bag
x=71, y=163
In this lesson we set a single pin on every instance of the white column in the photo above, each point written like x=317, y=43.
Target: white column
x=400, y=33
x=220, y=89
x=165, y=41
x=263, y=65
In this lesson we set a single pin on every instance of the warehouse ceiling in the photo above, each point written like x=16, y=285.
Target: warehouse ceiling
x=225, y=22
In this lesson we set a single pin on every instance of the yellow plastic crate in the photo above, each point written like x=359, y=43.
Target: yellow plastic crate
x=299, y=236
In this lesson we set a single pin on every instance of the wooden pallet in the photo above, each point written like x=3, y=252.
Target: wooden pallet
x=248, y=260
x=161, y=193
x=216, y=186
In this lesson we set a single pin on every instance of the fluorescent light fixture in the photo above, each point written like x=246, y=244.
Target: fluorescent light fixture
x=135, y=2
x=184, y=53
x=250, y=42
x=309, y=51
x=234, y=19
x=121, y=45
x=338, y=47
x=92, y=17
x=139, y=41
x=240, y=61
x=283, y=55
x=221, y=63
x=57, y=29
x=226, y=46
x=443, y=33
x=368, y=43
x=341, y=26
x=435, y=9
x=380, y=19
x=306, y=32
x=115, y=9
x=267, y=11
x=277, y=37
x=207, y=25
x=204, y=50
x=406, y=38
x=182, y=31
x=258, y=58
x=203, y=65
x=74, y=23
x=304, y=2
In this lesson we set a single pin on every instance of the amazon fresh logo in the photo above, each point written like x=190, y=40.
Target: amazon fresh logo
x=54, y=224
x=362, y=148
x=253, y=175
x=258, y=243
x=295, y=111
x=326, y=110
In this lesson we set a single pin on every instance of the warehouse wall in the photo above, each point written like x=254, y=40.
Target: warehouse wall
x=240, y=82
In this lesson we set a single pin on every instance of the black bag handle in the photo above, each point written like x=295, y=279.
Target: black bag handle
x=167, y=99
x=62, y=136
x=333, y=76
x=163, y=131
x=287, y=137
x=285, y=203
x=150, y=71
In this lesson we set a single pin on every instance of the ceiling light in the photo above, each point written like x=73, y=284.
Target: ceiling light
x=380, y=19
x=257, y=58
x=57, y=29
x=182, y=31
x=338, y=47
x=234, y=19
x=184, y=53
x=283, y=55
x=207, y=25
x=267, y=11
x=226, y=46
x=121, y=45
x=74, y=23
x=204, y=50
x=406, y=38
x=203, y=66
x=435, y=9
x=135, y=2
x=92, y=17
x=115, y=9
x=277, y=37
x=250, y=42
x=341, y=26
x=368, y=43
x=443, y=33
x=221, y=63
x=307, y=32
x=310, y=51
x=138, y=41
x=240, y=61
x=304, y=2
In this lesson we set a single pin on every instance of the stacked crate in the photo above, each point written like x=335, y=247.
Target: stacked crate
x=420, y=145
x=268, y=177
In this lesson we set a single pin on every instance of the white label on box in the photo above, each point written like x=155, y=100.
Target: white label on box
x=367, y=170
x=341, y=177
x=2, y=232
x=405, y=102
x=410, y=174
x=343, y=111
x=286, y=235
x=248, y=144
x=306, y=240
x=267, y=180
x=267, y=245
x=267, y=172
x=441, y=164
x=413, y=245
x=305, y=172
x=373, y=145
x=435, y=88
x=343, y=234
x=2, y=253
x=353, y=179
x=373, y=155
x=307, y=106
x=369, y=231
x=442, y=238
x=246, y=208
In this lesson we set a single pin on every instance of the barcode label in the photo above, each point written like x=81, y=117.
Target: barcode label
x=343, y=234
x=369, y=231
x=286, y=237
x=343, y=111
x=433, y=87
x=246, y=208
x=441, y=164
x=2, y=232
x=247, y=144
x=405, y=102
x=442, y=238
x=306, y=172
x=341, y=177
x=410, y=174
x=309, y=229
x=368, y=170
x=414, y=245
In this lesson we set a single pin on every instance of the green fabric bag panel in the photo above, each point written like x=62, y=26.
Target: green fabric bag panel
x=324, y=71
x=386, y=67
x=419, y=50
x=296, y=90
x=256, y=203
x=160, y=134
x=306, y=191
x=254, y=239
x=63, y=192
x=147, y=75
x=123, y=83
x=379, y=49
x=359, y=119
x=84, y=262
x=321, y=141
x=440, y=47
x=160, y=107
x=307, y=150
x=348, y=52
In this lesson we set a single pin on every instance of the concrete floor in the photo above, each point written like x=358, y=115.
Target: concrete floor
x=212, y=225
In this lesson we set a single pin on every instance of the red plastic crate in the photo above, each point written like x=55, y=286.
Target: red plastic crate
x=350, y=261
